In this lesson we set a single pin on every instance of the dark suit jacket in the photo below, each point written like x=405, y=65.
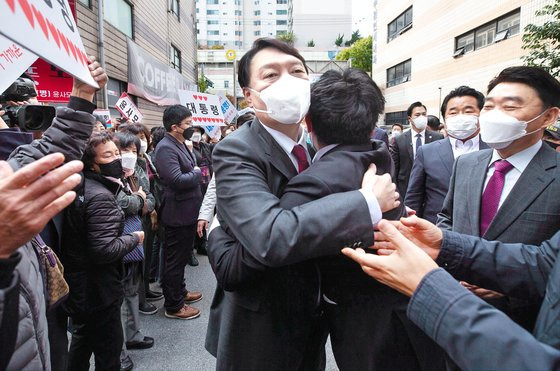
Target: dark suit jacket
x=429, y=179
x=182, y=196
x=380, y=134
x=252, y=171
x=467, y=328
x=403, y=156
x=530, y=214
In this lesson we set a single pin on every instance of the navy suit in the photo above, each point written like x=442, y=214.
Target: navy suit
x=380, y=134
x=429, y=178
x=179, y=209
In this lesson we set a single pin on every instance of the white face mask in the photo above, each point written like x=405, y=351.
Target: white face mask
x=287, y=100
x=128, y=160
x=143, y=146
x=499, y=130
x=196, y=137
x=461, y=126
x=420, y=122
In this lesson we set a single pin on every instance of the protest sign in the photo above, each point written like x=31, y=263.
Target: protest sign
x=205, y=108
x=228, y=109
x=106, y=114
x=47, y=29
x=53, y=84
x=128, y=109
x=213, y=132
x=14, y=60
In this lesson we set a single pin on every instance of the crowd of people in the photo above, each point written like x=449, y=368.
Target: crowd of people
x=296, y=206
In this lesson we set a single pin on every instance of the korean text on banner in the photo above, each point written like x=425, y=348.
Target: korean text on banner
x=205, y=108
x=228, y=109
x=53, y=85
x=14, y=60
x=128, y=109
x=48, y=29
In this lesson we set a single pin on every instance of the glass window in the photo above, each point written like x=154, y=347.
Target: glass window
x=281, y=12
x=510, y=23
x=226, y=84
x=213, y=32
x=238, y=13
x=399, y=24
x=466, y=42
x=237, y=33
x=485, y=36
x=399, y=74
x=395, y=118
x=119, y=14
x=238, y=43
x=212, y=2
x=212, y=22
x=281, y=22
x=85, y=2
x=257, y=23
x=257, y=12
x=175, y=58
x=212, y=12
x=257, y=33
x=281, y=1
x=281, y=32
x=174, y=8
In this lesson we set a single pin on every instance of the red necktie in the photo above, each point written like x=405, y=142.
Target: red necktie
x=301, y=157
x=492, y=194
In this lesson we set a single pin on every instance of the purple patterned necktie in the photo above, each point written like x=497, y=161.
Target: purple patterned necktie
x=492, y=194
x=301, y=157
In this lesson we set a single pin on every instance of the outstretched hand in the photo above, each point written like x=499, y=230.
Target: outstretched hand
x=383, y=188
x=403, y=269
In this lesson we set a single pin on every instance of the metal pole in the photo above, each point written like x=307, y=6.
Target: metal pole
x=234, y=86
x=101, y=48
x=439, y=106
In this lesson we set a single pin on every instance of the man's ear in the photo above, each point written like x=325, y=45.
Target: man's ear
x=308, y=124
x=550, y=117
x=248, y=96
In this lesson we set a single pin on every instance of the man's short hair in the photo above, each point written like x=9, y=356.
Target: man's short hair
x=96, y=139
x=126, y=139
x=137, y=128
x=413, y=106
x=244, y=67
x=397, y=124
x=157, y=135
x=462, y=91
x=547, y=87
x=433, y=123
x=174, y=115
x=345, y=107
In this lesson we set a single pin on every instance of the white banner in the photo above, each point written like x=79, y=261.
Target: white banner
x=128, y=109
x=228, y=109
x=14, y=60
x=214, y=132
x=106, y=114
x=205, y=108
x=47, y=28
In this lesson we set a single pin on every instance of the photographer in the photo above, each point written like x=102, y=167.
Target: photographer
x=34, y=187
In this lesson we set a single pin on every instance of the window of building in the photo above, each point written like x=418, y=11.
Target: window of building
x=281, y=12
x=212, y=12
x=237, y=33
x=213, y=32
x=213, y=42
x=175, y=58
x=399, y=73
x=238, y=43
x=396, y=118
x=238, y=13
x=492, y=32
x=237, y=2
x=85, y=2
x=400, y=24
x=257, y=33
x=212, y=2
x=257, y=2
x=281, y=2
x=119, y=14
x=256, y=23
x=114, y=90
x=257, y=12
x=280, y=22
x=213, y=22
x=175, y=8
x=226, y=84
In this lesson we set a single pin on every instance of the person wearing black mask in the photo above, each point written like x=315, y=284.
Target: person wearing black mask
x=92, y=250
x=182, y=197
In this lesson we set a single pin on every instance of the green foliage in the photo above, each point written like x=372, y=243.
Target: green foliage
x=543, y=42
x=204, y=84
x=311, y=43
x=355, y=37
x=289, y=38
x=360, y=53
x=217, y=47
x=339, y=40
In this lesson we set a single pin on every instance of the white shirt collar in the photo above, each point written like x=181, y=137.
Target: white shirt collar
x=422, y=134
x=320, y=153
x=456, y=143
x=520, y=160
x=282, y=139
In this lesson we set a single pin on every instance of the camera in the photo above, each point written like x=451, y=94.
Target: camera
x=26, y=117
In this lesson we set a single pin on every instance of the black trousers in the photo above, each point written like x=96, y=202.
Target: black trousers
x=57, y=321
x=147, y=263
x=99, y=333
x=176, y=252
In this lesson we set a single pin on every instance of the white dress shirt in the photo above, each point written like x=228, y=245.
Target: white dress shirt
x=520, y=161
x=422, y=138
x=288, y=144
x=460, y=148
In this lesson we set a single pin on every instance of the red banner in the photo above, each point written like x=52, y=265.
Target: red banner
x=53, y=84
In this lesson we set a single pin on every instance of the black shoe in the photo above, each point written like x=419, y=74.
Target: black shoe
x=153, y=296
x=126, y=364
x=201, y=250
x=147, y=309
x=193, y=262
x=146, y=343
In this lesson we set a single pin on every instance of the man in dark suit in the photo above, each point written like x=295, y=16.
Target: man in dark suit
x=405, y=147
x=380, y=134
x=510, y=193
x=360, y=341
x=182, y=198
x=254, y=326
x=431, y=172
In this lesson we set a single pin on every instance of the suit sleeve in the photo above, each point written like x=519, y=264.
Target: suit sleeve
x=105, y=244
x=169, y=170
x=516, y=270
x=272, y=235
x=416, y=193
x=445, y=217
x=474, y=334
x=233, y=266
x=394, y=149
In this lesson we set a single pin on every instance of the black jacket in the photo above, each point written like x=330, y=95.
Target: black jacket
x=92, y=246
